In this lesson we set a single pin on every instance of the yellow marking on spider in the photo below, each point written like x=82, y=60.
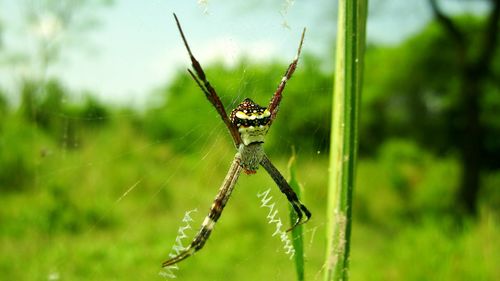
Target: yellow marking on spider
x=252, y=115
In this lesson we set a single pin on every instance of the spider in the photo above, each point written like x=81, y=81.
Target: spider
x=248, y=124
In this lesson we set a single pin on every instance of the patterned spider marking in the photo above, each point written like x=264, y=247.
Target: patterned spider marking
x=252, y=121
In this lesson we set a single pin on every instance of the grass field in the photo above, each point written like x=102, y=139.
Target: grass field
x=110, y=209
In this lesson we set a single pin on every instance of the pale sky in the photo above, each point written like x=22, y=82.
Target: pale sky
x=136, y=46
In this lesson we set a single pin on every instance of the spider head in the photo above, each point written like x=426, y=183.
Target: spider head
x=252, y=121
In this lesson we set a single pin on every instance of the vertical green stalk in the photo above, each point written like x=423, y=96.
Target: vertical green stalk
x=344, y=139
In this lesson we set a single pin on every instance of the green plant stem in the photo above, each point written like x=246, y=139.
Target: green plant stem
x=343, y=146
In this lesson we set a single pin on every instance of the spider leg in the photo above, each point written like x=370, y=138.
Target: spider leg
x=299, y=208
x=214, y=214
x=276, y=99
x=201, y=79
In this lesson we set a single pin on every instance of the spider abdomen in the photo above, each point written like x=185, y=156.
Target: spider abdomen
x=252, y=121
x=251, y=155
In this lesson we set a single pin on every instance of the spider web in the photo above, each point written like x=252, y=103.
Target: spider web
x=107, y=199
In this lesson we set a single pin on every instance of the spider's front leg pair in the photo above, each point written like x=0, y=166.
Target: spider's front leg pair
x=248, y=124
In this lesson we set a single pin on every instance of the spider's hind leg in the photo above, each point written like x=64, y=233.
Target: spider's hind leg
x=213, y=215
x=197, y=243
x=299, y=208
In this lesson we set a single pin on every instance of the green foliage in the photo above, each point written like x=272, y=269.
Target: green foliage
x=4, y=105
x=490, y=193
x=418, y=95
x=416, y=177
x=433, y=249
x=48, y=106
x=489, y=117
x=17, y=155
x=93, y=112
x=119, y=196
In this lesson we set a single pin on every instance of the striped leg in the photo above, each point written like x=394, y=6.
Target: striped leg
x=201, y=79
x=214, y=214
x=276, y=99
x=299, y=208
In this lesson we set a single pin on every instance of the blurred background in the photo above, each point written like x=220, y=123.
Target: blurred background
x=105, y=140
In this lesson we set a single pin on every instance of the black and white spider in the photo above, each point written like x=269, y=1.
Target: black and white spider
x=248, y=124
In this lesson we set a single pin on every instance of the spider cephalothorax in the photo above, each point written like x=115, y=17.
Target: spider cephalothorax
x=248, y=125
x=251, y=120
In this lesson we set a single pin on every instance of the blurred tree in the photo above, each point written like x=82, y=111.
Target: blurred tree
x=42, y=110
x=56, y=115
x=52, y=27
x=441, y=91
x=49, y=111
x=474, y=62
x=93, y=112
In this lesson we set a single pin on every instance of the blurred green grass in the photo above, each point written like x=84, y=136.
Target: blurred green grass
x=80, y=218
